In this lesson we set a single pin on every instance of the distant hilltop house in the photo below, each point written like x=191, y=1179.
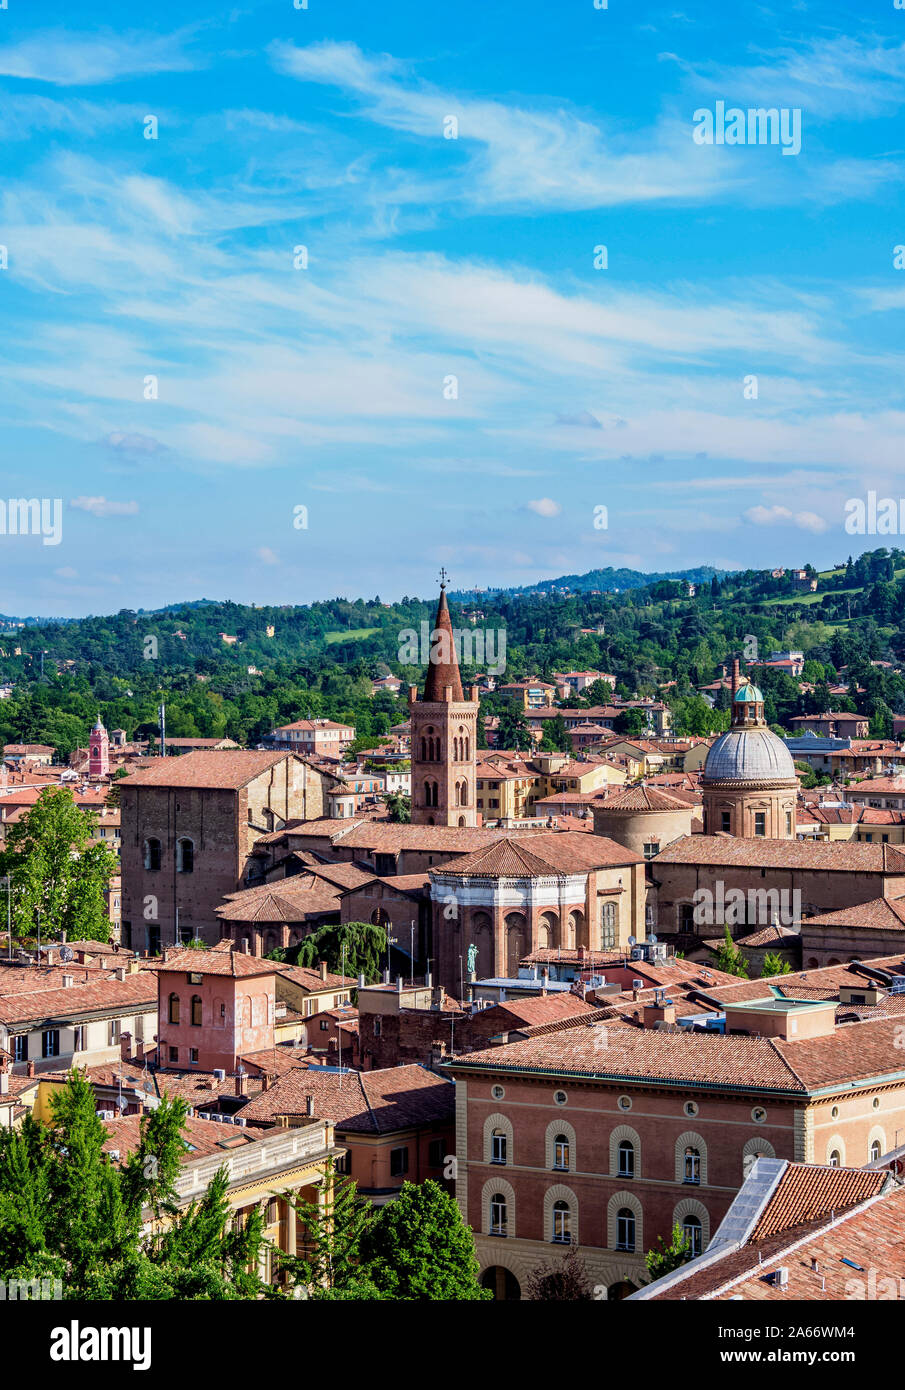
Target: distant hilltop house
x=313, y=737
x=228, y=639
x=576, y=681
x=834, y=724
x=803, y=581
x=391, y=683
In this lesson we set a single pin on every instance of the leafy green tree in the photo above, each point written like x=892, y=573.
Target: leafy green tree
x=512, y=731
x=631, y=723
x=420, y=1248
x=664, y=1257
x=399, y=806
x=334, y=1229
x=556, y=736
x=365, y=949
x=730, y=959
x=68, y=1212
x=774, y=965
x=58, y=875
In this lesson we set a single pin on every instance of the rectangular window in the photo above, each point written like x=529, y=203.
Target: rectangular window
x=760, y=822
x=115, y=1030
x=174, y=1054
x=652, y=849
x=50, y=1042
x=435, y=1153
x=399, y=1162
x=341, y=1162
x=78, y=1038
x=193, y=1056
x=20, y=1047
x=725, y=821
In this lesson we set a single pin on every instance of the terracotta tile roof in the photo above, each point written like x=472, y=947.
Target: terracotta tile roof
x=892, y=785
x=223, y=959
x=626, y=1054
x=372, y=1102
x=824, y=856
x=102, y=996
x=287, y=900
x=880, y=914
x=872, y=1222
x=201, y=1137
x=807, y=1191
x=226, y=771
x=547, y=852
x=312, y=980
x=773, y=935
x=642, y=798
x=540, y=1009
x=391, y=838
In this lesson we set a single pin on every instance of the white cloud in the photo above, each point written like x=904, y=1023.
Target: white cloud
x=545, y=506
x=778, y=516
x=77, y=60
x=267, y=556
x=99, y=506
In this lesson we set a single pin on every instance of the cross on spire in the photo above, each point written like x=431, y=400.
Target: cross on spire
x=443, y=577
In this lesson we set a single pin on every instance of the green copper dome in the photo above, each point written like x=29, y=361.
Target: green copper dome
x=748, y=694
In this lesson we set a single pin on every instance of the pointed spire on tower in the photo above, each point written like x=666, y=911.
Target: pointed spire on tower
x=444, y=671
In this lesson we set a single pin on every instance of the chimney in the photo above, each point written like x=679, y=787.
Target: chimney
x=735, y=679
x=120, y=973
x=323, y=969
x=398, y=984
x=4, y=1083
x=265, y=1082
x=361, y=981
x=241, y=1083
x=428, y=980
x=544, y=981
x=662, y=1012
x=125, y=1046
x=245, y=946
x=309, y=1105
x=29, y=1068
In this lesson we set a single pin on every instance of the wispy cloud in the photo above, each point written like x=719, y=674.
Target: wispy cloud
x=67, y=59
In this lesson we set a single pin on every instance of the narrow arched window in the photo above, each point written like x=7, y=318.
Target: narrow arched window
x=497, y=1147
x=185, y=856
x=152, y=854
x=498, y=1214
x=196, y=1010
x=561, y=1152
x=625, y=1229
x=875, y=1151
x=173, y=1011
x=835, y=1159
x=562, y=1223
x=626, y=1158
x=693, y=1232
x=692, y=1166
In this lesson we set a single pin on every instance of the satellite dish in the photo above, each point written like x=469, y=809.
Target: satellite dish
x=66, y=954
x=653, y=939
x=631, y=941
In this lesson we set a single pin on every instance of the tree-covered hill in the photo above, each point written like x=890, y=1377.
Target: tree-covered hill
x=319, y=660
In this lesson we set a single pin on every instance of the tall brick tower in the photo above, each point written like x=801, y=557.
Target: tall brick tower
x=444, y=734
x=98, y=751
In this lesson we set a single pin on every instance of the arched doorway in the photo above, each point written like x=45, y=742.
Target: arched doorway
x=502, y=1283
x=621, y=1290
x=482, y=936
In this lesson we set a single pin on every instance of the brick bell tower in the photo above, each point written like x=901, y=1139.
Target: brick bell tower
x=444, y=733
x=98, y=751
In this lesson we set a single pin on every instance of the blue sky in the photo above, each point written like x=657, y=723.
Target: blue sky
x=431, y=258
